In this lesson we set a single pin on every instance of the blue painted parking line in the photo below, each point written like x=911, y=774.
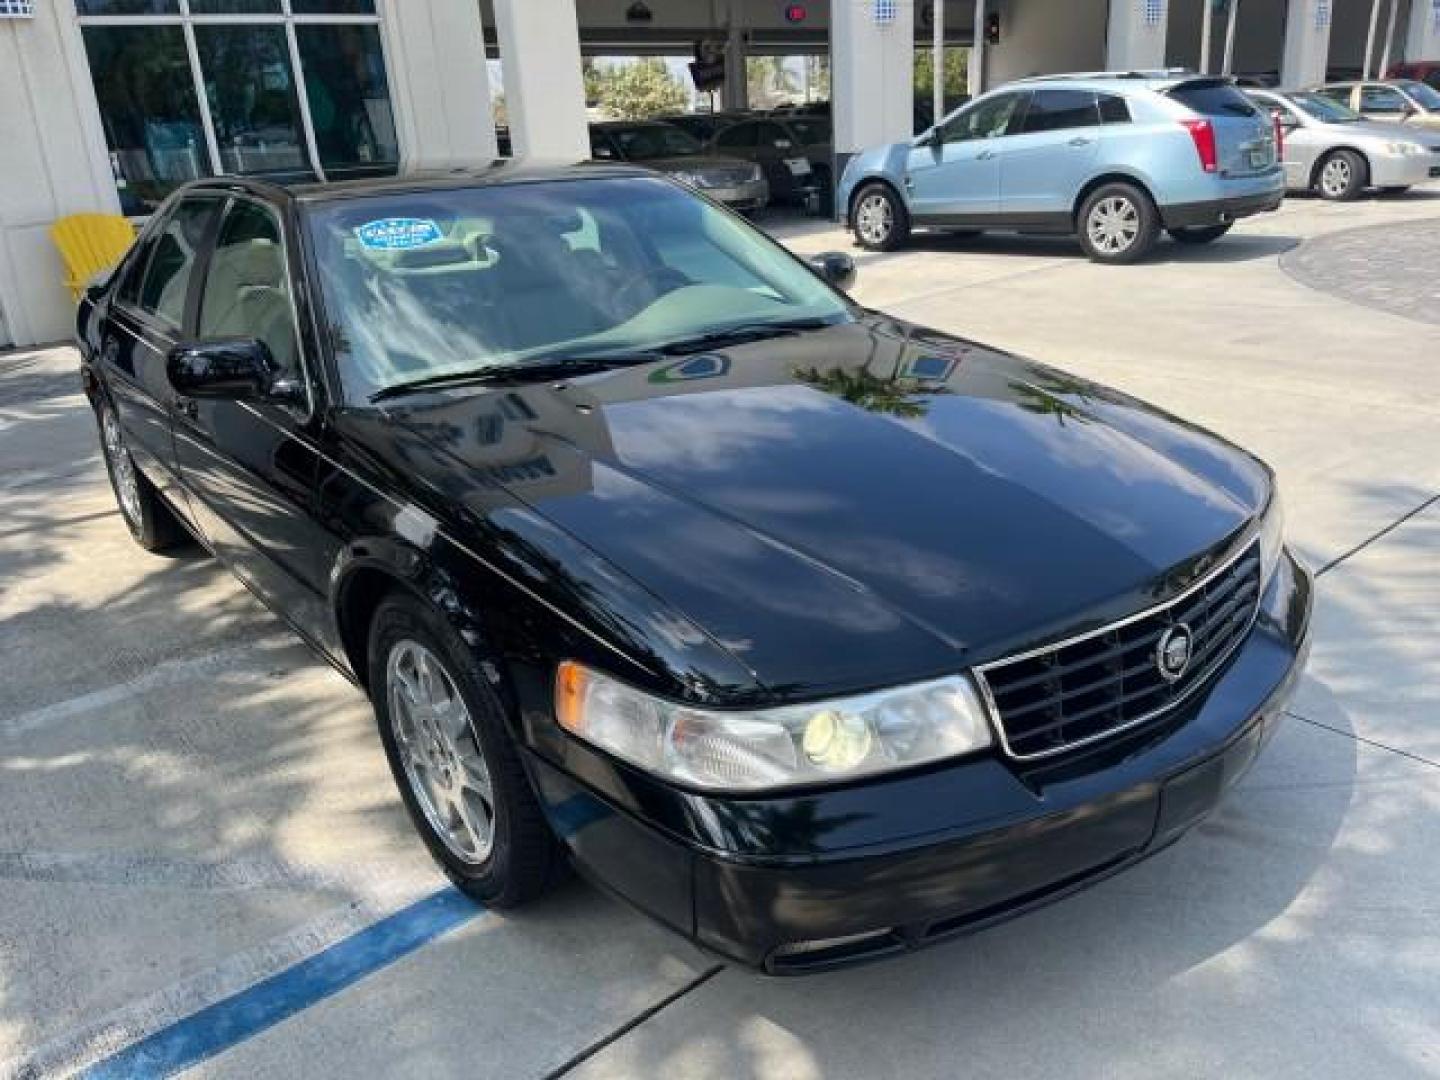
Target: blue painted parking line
x=241, y=1016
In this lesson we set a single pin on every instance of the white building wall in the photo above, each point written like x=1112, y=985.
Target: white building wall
x=1422, y=33
x=1307, y=42
x=872, y=70
x=1135, y=41
x=1041, y=38
x=54, y=163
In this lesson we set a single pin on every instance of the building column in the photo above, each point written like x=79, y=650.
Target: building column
x=735, y=94
x=544, y=89
x=872, y=74
x=1307, y=42
x=439, y=85
x=1135, y=35
x=1422, y=40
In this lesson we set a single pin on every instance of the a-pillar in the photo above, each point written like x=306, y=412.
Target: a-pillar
x=544, y=87
x=1307, y=42
x=1135, y=35
x=1422, y=41
x=872, y=74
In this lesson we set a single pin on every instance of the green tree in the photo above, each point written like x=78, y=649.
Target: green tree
x=817, y=77
x=956, y=76
x=768, y=81
x=639, y=90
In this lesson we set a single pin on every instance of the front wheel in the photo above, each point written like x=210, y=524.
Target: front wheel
x=454, y=760
x=1198, y=234
x=880, y=221
x=1343, y=176
x=151, y=522
x=1118, y=224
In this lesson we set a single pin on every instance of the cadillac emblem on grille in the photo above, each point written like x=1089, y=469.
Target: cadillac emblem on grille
x=1172, y=652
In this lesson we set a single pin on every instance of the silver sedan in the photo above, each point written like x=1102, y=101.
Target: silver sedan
x=1335, y=152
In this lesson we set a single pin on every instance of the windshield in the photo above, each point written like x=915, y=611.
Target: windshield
x=434, y=283
x=1425, y=95
x=811, y=132
x=655, y=141
x=1326, y=110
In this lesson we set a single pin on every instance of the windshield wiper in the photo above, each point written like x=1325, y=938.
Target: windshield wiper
x=741, y=333
x=533, y=371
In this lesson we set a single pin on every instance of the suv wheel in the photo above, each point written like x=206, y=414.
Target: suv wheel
x=451, y=752
x=879, y=221
x=1342, y=176
x=1118, y=224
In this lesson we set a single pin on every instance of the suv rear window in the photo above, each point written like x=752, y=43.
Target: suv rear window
x=1211, y=97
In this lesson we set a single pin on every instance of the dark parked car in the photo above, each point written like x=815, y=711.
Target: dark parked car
x=1425, y=71
x=795, y=152
x=665, y=148
x=704, y=126
x=815, y=634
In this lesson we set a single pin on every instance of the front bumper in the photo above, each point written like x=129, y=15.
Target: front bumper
x=1219, y=211
x=798, y=883
x=751, y=196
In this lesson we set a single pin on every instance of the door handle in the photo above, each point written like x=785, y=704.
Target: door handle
x=187, y=407
x=1080, y=140
x=985, y=155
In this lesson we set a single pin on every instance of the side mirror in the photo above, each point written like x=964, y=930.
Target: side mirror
x=236, y=369
x=836, y=267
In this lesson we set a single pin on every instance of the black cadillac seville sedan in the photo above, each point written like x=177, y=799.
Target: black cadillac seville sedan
x=815, y=634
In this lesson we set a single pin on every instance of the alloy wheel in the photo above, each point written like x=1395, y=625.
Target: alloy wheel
x=874, y=218
x=122, y=467
x=441, y=755
x=1113, y=225
x=1335, y=177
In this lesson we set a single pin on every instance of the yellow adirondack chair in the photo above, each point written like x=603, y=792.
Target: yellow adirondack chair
x=90, y=243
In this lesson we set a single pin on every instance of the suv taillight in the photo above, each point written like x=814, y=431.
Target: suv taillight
x=1203, y=132
x=1279, y=136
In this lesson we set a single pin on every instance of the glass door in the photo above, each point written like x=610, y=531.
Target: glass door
x=250, y=89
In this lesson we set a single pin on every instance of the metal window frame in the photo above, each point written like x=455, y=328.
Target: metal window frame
x=286, y=18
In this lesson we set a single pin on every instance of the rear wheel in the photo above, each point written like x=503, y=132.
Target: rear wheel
x=150, y=521
x=453, y=758
x=1198, y=234
x=1118, y=224
x=880, y=221
x=1342, y=176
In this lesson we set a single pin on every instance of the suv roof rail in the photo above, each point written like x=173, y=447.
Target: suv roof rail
x=1152, y=73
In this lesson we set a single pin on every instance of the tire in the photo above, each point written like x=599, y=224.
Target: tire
x=150, y=520
x=442, y=768
x=1342, y=176
x=1118, y=224
x=879, y=219
x=1198, y=234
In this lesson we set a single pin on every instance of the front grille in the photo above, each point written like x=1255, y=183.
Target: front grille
x=1078, y=691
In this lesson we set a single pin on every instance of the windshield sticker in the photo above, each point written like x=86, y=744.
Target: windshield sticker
x=398, y=234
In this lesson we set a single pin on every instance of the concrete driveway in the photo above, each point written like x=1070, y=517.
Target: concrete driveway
x=203, y=863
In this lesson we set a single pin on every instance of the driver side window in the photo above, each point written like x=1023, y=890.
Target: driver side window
x=247, y=288
x=990, y=119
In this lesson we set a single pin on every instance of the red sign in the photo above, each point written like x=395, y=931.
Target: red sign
x=796, y=13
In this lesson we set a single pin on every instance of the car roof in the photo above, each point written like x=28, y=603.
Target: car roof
x=305, y=187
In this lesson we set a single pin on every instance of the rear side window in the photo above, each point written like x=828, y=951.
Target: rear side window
x=1056, y=110
x=1213, y=98
x=177, y=247
x=1113, y=110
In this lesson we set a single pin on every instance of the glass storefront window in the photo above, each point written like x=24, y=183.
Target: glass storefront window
x=349, y=98
x=251, y=116
x=148, y=109
x=127, y=7
x=252, y=98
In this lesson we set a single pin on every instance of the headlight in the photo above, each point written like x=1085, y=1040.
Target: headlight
x=756, y=174
x=1272, y=537
x=693, y=179
x=1405, y=148
x=799, y=744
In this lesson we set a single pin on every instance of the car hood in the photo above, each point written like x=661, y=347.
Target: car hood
x=860, y=504
x=692, y=163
